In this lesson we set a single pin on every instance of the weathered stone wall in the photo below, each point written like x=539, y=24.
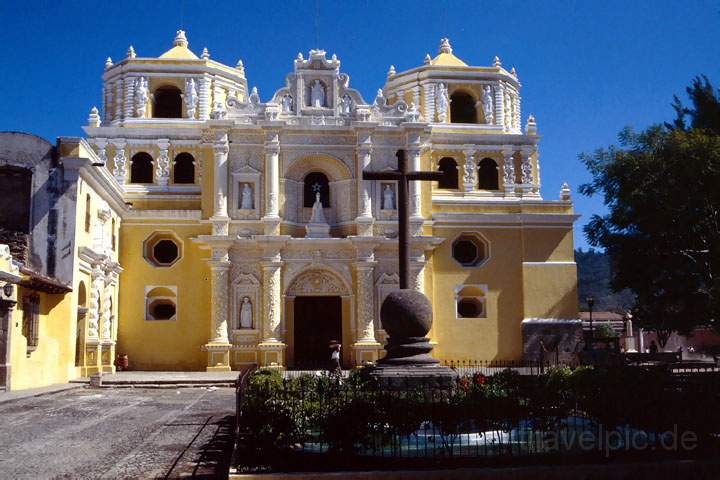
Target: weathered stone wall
x=546, y=340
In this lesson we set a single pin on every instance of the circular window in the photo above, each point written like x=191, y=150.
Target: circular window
x=469, y=250
x=165, y=251
x=469, y=308
x=162, y=249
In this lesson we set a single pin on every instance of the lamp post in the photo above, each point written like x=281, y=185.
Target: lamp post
x=590, y=302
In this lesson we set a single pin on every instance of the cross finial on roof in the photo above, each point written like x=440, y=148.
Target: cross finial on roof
x=180, y=39
x=445, y=46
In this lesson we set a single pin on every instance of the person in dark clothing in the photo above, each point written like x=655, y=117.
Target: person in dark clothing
x=334, y=356
x=653, y=347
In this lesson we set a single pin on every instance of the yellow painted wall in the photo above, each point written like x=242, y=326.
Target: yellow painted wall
x=164, y=344
x=497, y=336
x=54, y=358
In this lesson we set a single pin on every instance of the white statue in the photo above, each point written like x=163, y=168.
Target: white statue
x=318, y=216
x=380, y=100
x=388, y=198
x=190, y=97
x=246, y=202
x=246, y=314
x=443, y=102
x=287, y=103
x=219, y=111
x=412, y=114
x=346, y=105
x=487, y=104
x=317, y=94
x=141, y=96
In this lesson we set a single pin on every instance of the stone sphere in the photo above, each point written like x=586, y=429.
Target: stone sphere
x=406, y=313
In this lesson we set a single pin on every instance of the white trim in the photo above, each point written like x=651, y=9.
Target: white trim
x=549, y=263
x=163, y=214
x=552, y=321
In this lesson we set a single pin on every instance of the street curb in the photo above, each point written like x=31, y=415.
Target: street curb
x=65, y=388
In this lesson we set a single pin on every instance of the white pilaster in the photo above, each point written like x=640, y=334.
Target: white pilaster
x=272, y=183
x=204, y=97
x=129, y=103
x=526, y=169
x=220, y=153
x=219, y=266
x=272, y=301
x=415, y=192
x=499, y=104
x=118, y=99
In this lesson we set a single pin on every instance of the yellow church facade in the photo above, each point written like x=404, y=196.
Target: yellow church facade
x=247, y=235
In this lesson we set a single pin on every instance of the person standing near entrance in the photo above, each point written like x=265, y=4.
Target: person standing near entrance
x=334, y=356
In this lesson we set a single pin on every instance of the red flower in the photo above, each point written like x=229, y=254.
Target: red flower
x=479, y=379
x=464, y=384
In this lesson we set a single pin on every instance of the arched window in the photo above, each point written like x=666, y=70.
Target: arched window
x=448, y=166
x=488, y=174
x=184, y=168
x=462, y=108
x=160, y=303
x=168, y=103
x=316, y=182
x=141, y=168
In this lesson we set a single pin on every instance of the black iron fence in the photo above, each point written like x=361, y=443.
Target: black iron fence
x=328, y=421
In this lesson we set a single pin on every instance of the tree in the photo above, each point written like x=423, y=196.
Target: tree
x=662, y=232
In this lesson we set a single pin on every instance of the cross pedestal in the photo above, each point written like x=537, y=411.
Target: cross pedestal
x=407, y=314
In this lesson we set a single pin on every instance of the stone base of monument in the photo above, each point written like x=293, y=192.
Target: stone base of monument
x=407, y=317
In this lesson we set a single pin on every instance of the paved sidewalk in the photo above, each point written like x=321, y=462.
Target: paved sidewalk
x=118, y=433
x=36, y=392
x=144, y=379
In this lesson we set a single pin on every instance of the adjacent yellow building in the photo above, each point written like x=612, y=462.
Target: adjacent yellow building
x=246, y=235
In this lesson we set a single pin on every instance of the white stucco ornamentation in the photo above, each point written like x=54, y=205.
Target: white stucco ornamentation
x=191, y=98
x=94, y=117
x=272, y=301
x=316, y=282
x=487, y=104
x=162, y=172
x=508, y=170
x=526, y=169
x=364, y=290
x=442, y=102
x=120, y=161
x=141, y=96
x=470, y=171
x=219, y=269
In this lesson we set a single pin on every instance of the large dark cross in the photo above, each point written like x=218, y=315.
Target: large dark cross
x=403, y=176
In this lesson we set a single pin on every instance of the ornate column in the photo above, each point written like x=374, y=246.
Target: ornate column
x=129, y=102
x=120, y=161
x=526, y=169
x=417, y=269
x=220, y=218
x=499, y=104
x=118, y=100
x=218, y=347
x=108, y=110
x=272, y=183
x=509, y=171
x=162, y=170
x=364, y=152
x=101, y=144
x=93, y=350
x=414, y=153
x=470, y=180
x=366, y=347
x=204, y=97
x=271, y=348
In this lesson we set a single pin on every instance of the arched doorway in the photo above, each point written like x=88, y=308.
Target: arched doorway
x=318, y=306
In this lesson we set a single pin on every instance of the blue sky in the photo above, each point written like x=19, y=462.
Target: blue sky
x=588, y=68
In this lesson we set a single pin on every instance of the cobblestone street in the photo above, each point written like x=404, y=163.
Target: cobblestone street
x=118, y=433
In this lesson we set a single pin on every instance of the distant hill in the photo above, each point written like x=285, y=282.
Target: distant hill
x=594, y=274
